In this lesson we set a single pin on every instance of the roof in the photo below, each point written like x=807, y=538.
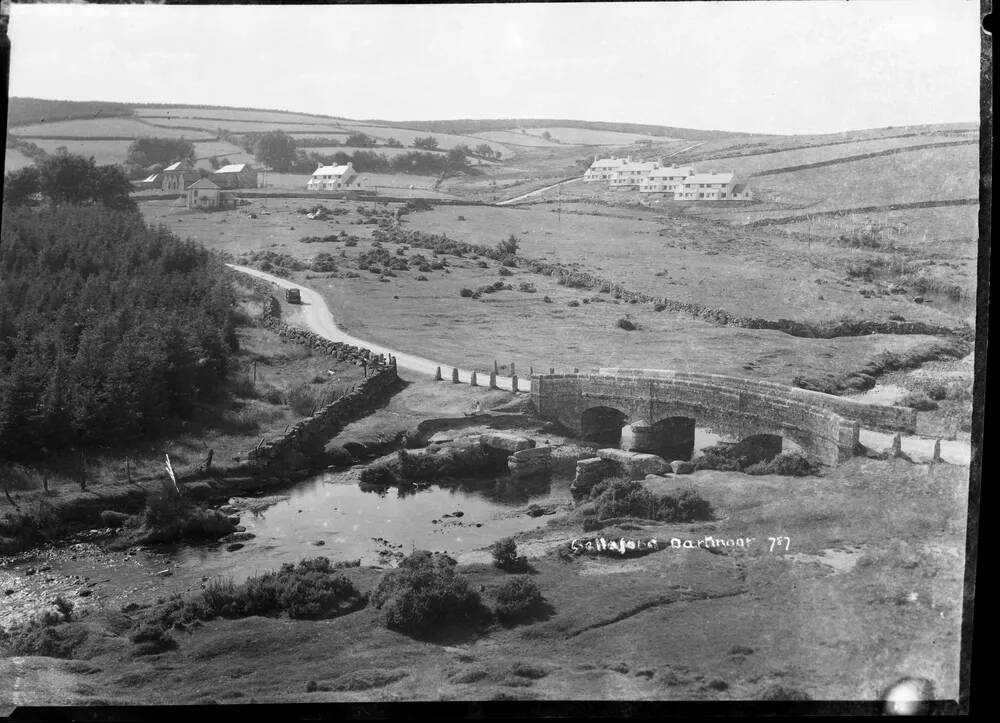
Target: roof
x=151, y=179
x=332, y=170
x=608, y=163
x=709, y=178
x=202, y=183
x=640, y=166
x=179, y=166
x=233, y=168
x=672, y=171
x=739, y=187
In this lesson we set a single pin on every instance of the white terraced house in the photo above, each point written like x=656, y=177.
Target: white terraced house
x=665, y=180
x=712, y=187
x=631, y=174
x=331, y=178
x=602, y=168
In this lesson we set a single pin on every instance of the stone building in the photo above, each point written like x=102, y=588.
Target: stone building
x=236, y=175
x=178, y=176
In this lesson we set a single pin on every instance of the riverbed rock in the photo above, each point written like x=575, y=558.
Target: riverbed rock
x=530, y=462
x=681, y=466
x=234, y=547
x=506, y=442
x=635, y=464
x=441, y=438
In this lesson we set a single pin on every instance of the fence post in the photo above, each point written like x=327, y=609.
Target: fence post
x=472, y=380
x=437, y=375
x=454, y=375
x=493, y=380
x=513, y=383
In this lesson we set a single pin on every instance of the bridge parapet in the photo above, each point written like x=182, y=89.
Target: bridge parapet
x=871, y=416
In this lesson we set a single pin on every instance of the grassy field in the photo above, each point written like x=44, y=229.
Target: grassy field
x=591, y=137
x=104, y=152
x=432, y=319
x=107, y=127
x=264, y=116
x=406, y=137
x=242, y=126
x=14, y=160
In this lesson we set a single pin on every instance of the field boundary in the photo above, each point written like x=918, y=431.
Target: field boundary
x=862, y=209
x=861, y=157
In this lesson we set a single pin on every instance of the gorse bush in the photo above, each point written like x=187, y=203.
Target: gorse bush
x=517, y=599
x=505, y=556
x=424, y=593
x=630, y=498
x=311, y=589
x=917, y=400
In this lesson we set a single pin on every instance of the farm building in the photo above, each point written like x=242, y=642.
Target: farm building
x=204, y=194
x=331, y=178
x=602, y=168
x=236, y=175
x=631, y=174
x=178, y=176
x=712, y=187
x=153, y=181
x=669, y=179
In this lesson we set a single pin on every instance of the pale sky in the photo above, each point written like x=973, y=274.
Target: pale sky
x=771, y=67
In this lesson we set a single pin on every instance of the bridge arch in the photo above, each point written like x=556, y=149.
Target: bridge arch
x=602, y=424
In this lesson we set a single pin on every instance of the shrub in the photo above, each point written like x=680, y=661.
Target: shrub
x=425, y=592
x=630, y=498
x=466, y=293
x=111, y=518
x=937, y=391
x=505, y=556
x=789, y=464
x=660, y=307
x=573, y=303
x=311, y=589
x=379, y=475
x=917, y=400
x=626, y=325
x=781, y=692
x=242, y=387
x=517, y=599
x=527, y=287
x=504, y=271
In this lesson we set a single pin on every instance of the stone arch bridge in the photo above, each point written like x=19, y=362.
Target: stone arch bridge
x=659, y=411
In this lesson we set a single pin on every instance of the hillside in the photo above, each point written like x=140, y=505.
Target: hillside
x=469, y=125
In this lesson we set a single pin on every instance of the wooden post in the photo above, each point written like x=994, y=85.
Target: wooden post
x=255, y=373
x=493, y=380
x=83, y=473
x=45, y=480
x=513, y=383
x=208, y=460
x=472, y=380
x=128, y=469
x=454, y=375
x=437, y=375
x=513, y=369
x=496, y=369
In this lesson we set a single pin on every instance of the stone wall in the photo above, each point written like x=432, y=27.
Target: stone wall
x=307, y=438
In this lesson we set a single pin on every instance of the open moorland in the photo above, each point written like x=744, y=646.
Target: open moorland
x=853, y=271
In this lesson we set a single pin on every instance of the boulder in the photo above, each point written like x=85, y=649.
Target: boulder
x=635, y=464
x=588, y=473
x=532, y=461
x=505, y=442
x=681, y=466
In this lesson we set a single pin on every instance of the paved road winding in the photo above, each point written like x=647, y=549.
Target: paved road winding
x=320, y=321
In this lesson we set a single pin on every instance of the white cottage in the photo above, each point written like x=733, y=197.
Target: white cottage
x=669, y=179
x=602, y=169
x=631, y=174
x=332, y=178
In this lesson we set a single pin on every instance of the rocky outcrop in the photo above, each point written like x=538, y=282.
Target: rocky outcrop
x=634, y=464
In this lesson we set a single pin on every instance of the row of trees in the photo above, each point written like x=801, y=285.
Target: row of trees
x=65, y=178
x=109, y=329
